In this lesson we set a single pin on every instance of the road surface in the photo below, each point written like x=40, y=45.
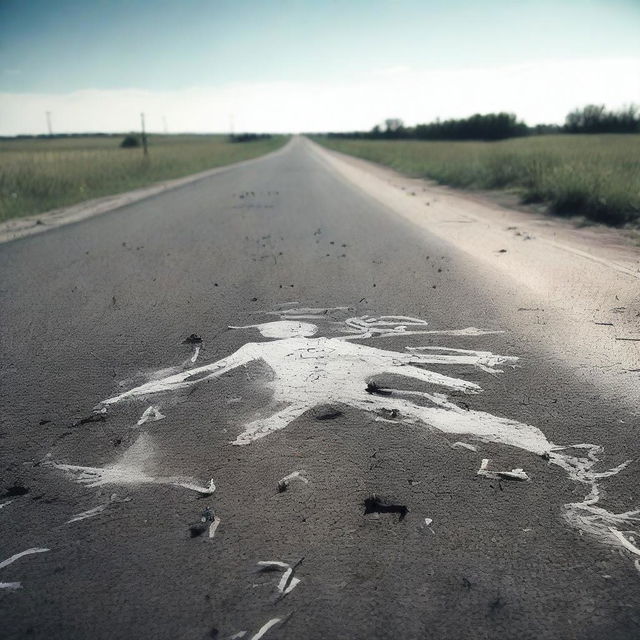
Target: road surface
x=445, y=485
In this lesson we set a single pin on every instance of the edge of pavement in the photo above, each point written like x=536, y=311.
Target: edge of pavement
x=574, y=292
x=16, y=228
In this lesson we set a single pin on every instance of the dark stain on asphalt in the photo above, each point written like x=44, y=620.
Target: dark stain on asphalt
x=330, y=413
x=377, y=390
x=16, y=489
x=94, y=417
x=374, y=504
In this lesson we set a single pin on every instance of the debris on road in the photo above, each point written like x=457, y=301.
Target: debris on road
x=464, y=445
x=283, y=483
x=373, y=504
x=150, y=415
x=90, y=513
x=94, y=417
x=288, y=582
x=214, y=526
x=374, y=389
x=514, y=474
x=196, y=342
x=264, y=628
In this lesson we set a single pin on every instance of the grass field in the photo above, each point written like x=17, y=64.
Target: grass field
x=595, y=176
x=37, y=175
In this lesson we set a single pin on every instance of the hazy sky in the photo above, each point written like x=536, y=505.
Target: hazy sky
x=304, y=65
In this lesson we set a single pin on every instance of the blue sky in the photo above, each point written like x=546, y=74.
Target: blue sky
x=166, y=48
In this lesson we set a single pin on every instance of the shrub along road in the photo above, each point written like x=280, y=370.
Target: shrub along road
x=383, y=428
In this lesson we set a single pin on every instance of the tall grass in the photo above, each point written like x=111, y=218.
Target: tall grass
x=37, y=175
x=596, y=176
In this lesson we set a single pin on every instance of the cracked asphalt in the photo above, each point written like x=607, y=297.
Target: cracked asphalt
x=94, y=308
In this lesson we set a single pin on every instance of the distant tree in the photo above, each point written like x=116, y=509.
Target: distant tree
x=393, y=124
x=594, y=118
x=130, y=142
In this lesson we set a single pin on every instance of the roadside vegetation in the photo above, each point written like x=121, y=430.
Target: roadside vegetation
x=40, y=174
x=590, y=166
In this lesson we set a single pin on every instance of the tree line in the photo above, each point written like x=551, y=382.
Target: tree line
x=499, y=126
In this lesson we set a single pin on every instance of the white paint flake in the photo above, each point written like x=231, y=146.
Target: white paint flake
x=132, y=468
x=5, y=504
x=214, y=526
x=196, y=352
x=151, y=414
x=11, y=586
x=514, y=474
x=17, y=556
x=264, y=628
x=283, y=483
x=90, y=513
x=288, y=582
x=463, y=445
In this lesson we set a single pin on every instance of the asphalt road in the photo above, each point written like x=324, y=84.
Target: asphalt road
x=97, y=308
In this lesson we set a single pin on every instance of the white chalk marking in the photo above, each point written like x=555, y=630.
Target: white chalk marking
x=514, y=474
x=196, y=351
x=150, y=415
x=213, y=526
x=624, y=542
x=310, y=371
x=428, y=521
x=131, y=469
x=237, y=636
x=264, y=628
x=5, y=504
x=17, y=556
x=90, y=513
x=464, y=445
x=12, y=586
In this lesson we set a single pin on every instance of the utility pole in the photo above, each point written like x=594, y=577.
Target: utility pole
x=145, y=151
x=49, y=123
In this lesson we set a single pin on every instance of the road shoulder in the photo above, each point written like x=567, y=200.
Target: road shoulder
x=580, y=286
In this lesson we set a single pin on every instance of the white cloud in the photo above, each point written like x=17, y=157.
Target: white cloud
x=537, y=92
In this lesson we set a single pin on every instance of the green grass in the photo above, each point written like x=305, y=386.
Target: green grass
x=595, y=176
x=38, y=175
